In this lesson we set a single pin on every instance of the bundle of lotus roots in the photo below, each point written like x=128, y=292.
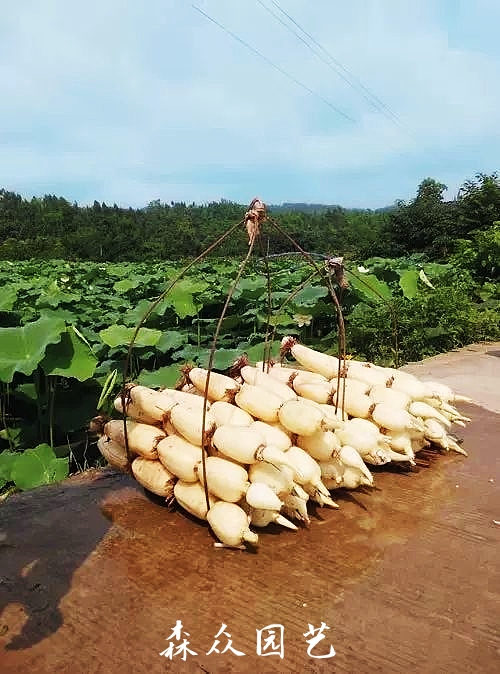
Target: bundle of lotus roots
x=254, y=448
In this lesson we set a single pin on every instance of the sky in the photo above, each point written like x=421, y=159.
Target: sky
x=353, y=104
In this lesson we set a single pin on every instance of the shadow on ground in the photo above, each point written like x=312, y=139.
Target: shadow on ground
x=39, y=553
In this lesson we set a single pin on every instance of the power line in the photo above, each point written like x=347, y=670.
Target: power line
x=338, y=67
x=275, y=66
x=315, y=52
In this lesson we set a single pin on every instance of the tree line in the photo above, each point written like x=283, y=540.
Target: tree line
x=52, y=227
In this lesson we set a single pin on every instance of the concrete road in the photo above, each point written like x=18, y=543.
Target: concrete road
x=473, y=371
x=96, y=577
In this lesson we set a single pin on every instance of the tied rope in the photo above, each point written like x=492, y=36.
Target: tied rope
x=255, y=215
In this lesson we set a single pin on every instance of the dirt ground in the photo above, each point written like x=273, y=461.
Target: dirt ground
x=97, y=577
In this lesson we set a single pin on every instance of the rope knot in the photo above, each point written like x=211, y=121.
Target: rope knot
x=255, y=215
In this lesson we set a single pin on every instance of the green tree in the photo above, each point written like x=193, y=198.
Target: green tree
x=481, y=254
x=478, y=203
x=425, y=224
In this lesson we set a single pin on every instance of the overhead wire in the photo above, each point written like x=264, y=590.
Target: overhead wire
x=337, y=66
x=275, y=66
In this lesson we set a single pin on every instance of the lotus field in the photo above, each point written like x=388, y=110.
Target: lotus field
x=66, y=328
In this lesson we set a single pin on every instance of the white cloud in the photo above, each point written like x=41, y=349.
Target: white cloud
x=140, y=100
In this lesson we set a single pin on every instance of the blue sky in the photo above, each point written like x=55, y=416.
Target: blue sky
x=127, y=102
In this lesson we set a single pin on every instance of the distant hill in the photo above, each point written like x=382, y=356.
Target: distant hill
x=289, y=207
